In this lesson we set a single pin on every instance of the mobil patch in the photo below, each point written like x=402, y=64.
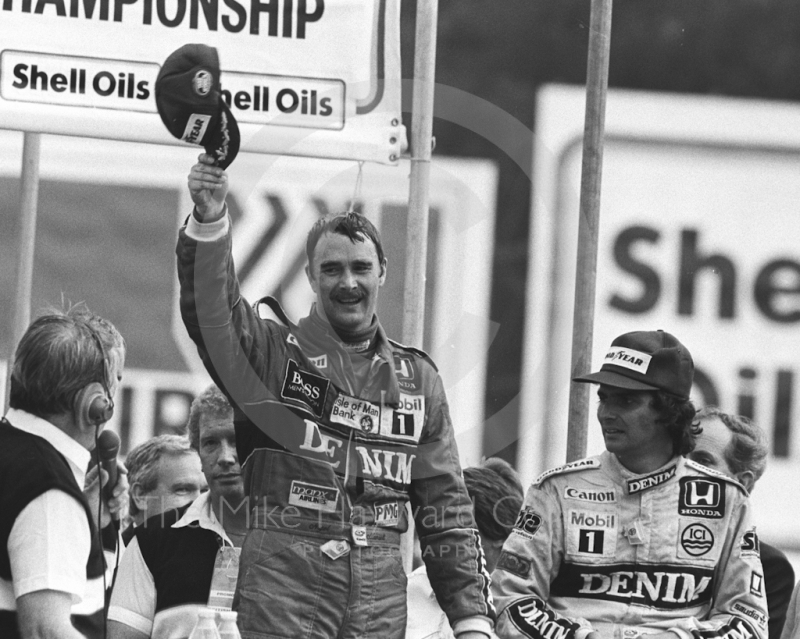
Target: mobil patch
x=304, y=388
x=406, y=421
x=591, y=533
x=356, y=413
x=702, y=497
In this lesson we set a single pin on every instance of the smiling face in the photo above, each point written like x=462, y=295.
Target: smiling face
x=631, y=430
x=345, y=277
x=217, y=448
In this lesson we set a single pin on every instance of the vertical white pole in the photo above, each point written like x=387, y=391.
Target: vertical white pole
x=591, y=174
x=27, y=239
x=421, y=151
x=29, y=198
x=419, y=195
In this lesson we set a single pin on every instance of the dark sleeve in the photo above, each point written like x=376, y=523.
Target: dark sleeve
x=449, y=540
x=779, y=583
x=233, y=342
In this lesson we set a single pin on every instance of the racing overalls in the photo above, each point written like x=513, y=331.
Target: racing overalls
x=329, y=468
x=597, y=547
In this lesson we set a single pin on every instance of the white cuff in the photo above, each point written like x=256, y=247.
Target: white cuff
x=477, y=623
x=208, y=231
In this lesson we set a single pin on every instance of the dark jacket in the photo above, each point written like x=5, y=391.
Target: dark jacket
x=319, y=457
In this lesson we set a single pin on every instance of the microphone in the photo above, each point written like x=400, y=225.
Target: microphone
x=107, y=449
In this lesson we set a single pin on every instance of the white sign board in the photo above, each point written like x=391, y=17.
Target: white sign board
x=698, y=236
x=302, y=77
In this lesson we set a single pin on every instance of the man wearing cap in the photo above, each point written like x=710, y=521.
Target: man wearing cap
x=638, y=540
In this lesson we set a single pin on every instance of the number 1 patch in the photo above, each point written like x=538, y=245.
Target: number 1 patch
x=591, y=541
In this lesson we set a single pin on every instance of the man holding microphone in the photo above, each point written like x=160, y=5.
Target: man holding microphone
x=65, y=372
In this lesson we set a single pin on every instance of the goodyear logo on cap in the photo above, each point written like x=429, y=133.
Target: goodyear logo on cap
x=628, y=358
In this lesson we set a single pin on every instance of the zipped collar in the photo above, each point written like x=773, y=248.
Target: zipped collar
x=315, y=339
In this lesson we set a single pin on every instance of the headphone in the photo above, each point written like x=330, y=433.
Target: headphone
x=93, y=403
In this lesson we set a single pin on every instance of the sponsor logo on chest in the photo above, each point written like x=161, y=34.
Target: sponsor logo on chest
x=596, y=496
x=697, y=540
x=386, y=464
x=315, y=441
x=654, y=586
x=404, y=422
x=702, y=497
x=313, y=496
x=356, y=413
x=304, y=387
x=652, y=480
x=592, y=519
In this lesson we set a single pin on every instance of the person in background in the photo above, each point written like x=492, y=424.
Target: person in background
x=735, y=446
x=496, y=494
x=164, y=473
x=66, y=370
x=166, y=573
x=638, y=541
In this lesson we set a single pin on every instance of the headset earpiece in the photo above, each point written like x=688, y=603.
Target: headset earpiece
x=92, y=405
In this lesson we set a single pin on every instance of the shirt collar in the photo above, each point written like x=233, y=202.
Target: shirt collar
x=77, y=456
x=200, y=513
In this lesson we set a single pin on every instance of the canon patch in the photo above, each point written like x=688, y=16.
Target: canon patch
x=304, y=387
x=702, y=497
x=595, y=496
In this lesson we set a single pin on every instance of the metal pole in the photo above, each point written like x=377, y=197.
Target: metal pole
x=419, y=196
x=27, y=238
x=421, y=151
x=591, y=174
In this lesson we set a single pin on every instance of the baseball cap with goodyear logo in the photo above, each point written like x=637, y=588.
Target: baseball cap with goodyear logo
x=190, y=103
x=646, y=360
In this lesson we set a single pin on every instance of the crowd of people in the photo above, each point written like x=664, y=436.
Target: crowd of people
x=320, y=443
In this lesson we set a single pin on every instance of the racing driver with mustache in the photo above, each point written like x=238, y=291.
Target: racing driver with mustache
x=337, y=429
x=638, y=541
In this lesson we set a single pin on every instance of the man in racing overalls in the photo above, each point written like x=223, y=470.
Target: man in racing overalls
x=638, y=540
x=337, y=428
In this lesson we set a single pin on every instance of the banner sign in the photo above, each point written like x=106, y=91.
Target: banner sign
x=303, y=77
x=698, y=237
